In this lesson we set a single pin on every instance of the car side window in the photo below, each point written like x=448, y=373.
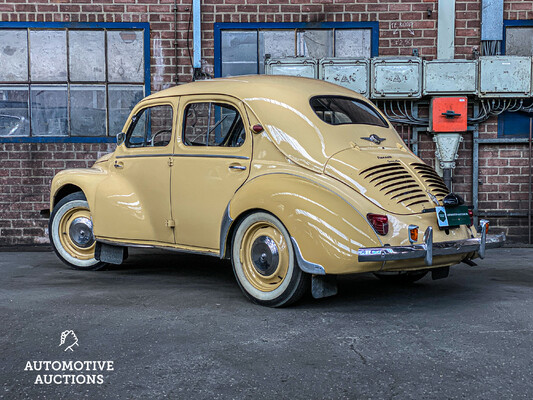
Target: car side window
x=151, y=127
x=213, y=124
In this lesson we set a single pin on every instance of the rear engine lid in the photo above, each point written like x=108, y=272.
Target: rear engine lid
x=394, y=180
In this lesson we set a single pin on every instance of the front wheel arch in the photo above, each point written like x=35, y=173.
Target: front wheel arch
x=64, y=191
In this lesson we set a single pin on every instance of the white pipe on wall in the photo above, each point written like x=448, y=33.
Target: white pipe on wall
x=196, y=34
x=446, y=30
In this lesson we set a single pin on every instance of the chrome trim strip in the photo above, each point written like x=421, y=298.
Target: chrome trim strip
x=224, y=230
x=185, y=155
x=144, y=155
x=428, y=250
x=162, y=247
x=306, y=266
x=212, y=156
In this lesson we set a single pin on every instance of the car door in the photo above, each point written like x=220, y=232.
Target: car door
x=133, y=203
x=211, y=161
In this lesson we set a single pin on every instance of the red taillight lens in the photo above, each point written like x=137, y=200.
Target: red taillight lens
x=471, y=215
x=379, y=222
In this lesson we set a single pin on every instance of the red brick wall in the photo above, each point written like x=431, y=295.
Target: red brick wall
x=26, y=169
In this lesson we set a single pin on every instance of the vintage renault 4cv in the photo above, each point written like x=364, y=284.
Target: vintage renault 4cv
x=295, y=180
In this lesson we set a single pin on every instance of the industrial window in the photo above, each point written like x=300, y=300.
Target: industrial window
x=241, y=49
x=518, y=41
x=66, y=82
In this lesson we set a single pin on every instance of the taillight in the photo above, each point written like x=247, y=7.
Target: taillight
x=379, y=222
x=471, y=215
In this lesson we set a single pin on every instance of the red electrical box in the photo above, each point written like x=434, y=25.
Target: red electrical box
x=448, y=114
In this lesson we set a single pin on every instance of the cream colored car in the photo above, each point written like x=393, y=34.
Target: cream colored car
x=295, y=180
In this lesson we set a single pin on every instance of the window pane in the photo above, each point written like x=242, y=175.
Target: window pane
x=122, y=99
x=49, y=110
x=87, y=110
x=13, y=55
x=215, y=123
x=239, y=52
x=125, y=56
x=519, y=41
x=87, y=55
x=315, y=43
x=153, y=127
x=352, y=43
x=343, y=110
x=48, y=54
x=14, y=111
x=278, y=43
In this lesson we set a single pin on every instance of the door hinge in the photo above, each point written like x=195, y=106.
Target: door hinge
x=170, y=223
x=170, y=162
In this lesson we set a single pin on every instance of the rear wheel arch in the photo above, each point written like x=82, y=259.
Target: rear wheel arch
x=322, y=221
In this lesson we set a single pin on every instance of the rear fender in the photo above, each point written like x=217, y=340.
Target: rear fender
x=325, y=227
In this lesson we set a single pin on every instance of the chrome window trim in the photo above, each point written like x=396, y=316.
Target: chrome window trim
x=184, y=155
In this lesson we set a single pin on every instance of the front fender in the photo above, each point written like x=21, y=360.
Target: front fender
x=87, y=179
x=327, y=227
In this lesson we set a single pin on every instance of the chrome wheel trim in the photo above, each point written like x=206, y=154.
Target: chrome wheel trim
x=265, y=255
x=81, y=232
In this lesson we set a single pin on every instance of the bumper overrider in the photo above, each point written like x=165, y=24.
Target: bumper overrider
x=428, y=249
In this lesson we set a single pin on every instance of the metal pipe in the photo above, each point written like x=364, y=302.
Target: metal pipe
x=197, y=34
x=447, y=177
x=529, y=197
x=176, y=78
x=475, y=167
x=446, y=30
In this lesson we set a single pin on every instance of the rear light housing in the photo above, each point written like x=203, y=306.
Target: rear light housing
x=471, y=215
x=379, y=222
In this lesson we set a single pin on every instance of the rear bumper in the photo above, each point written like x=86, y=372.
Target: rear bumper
x=428, y=249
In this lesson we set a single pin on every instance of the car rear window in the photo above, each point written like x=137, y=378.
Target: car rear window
x=336, y=110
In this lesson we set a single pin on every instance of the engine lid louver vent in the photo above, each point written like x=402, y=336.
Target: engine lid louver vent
x=399, y=184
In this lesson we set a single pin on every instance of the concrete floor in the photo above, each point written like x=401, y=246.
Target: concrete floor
x=177, y=326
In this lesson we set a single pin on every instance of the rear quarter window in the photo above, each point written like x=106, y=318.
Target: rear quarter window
x=336, y=110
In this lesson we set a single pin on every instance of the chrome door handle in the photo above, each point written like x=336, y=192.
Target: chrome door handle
x=118, y=164
x=239, y=167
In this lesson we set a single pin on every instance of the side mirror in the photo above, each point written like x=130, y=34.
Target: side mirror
x=120, y=138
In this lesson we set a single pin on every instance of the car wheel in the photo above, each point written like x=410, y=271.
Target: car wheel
x=264, y=264
x=401, y=277
x=71, y=233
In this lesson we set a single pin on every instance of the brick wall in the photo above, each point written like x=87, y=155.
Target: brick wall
x=26, y=169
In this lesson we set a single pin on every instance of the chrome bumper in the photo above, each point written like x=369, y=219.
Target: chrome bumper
x=428, y=249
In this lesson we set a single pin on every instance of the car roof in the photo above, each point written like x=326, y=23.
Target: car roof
x=282, y=105
x=249, y=85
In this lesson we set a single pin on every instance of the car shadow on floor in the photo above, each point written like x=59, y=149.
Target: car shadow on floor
x=352, y=289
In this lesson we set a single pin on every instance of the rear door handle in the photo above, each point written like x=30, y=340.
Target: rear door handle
x=118, y=164
x=239, y=167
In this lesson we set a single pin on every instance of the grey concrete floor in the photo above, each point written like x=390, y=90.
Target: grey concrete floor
x=177, y=326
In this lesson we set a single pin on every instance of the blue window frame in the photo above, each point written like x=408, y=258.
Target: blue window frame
x=514, y=124
x=250, y=49
x=71, y=82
